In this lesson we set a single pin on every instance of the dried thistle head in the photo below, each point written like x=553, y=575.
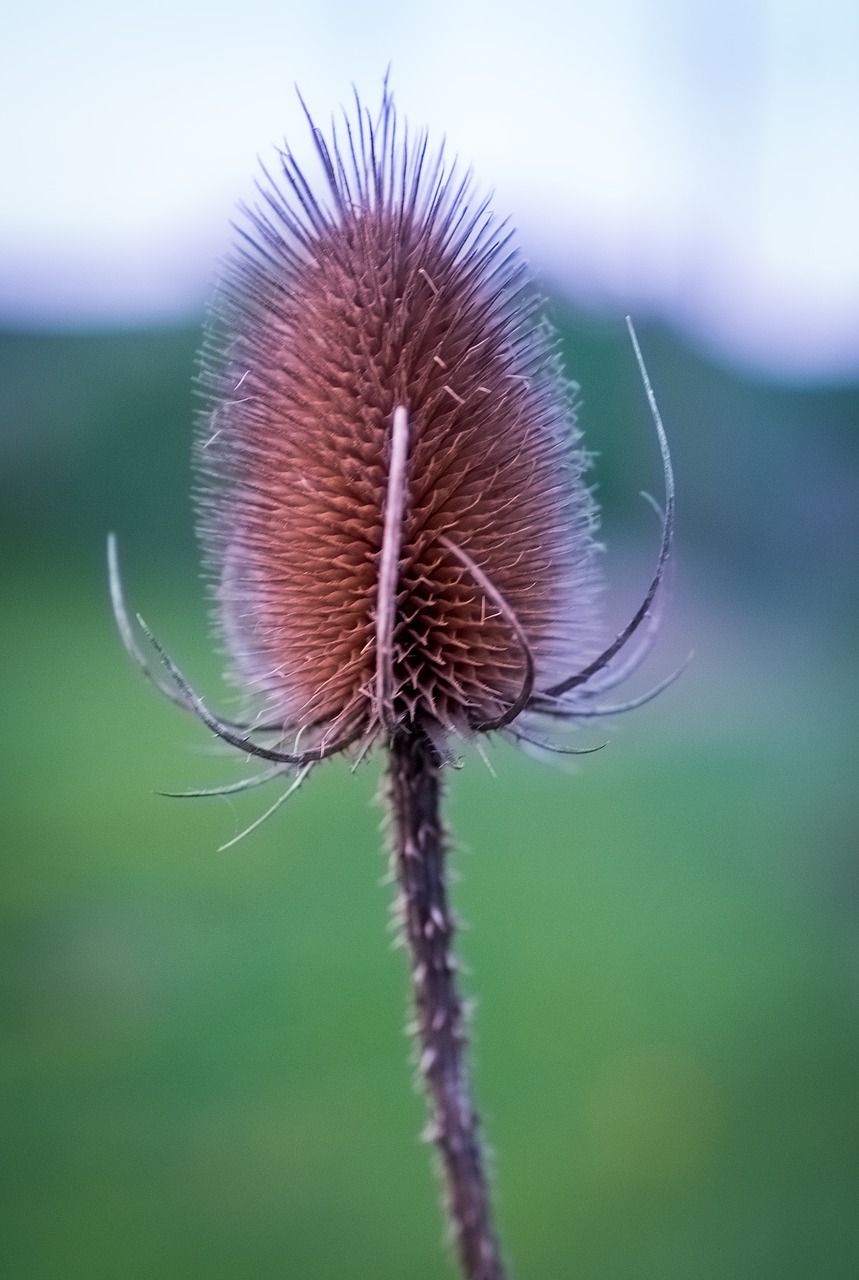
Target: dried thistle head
x=391, y=482
x=398, y=531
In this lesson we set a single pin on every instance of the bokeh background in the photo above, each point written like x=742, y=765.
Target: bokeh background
x=203, y=1058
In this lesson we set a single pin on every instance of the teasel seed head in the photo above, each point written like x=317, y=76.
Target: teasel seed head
x=385, y=392
x=391, y=483
x=399, y=534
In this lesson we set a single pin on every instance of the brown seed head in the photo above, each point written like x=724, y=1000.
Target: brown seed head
x=392, y=502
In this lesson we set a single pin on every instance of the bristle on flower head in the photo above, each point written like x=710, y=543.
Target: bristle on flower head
x=378, y=350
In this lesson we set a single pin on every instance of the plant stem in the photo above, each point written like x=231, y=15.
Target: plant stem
x=419, y=851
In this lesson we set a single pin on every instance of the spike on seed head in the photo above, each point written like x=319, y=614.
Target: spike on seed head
x=391, y=496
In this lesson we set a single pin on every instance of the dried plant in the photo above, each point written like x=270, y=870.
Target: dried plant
x=398, y=531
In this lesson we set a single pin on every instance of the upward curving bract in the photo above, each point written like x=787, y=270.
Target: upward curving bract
x=391, y=484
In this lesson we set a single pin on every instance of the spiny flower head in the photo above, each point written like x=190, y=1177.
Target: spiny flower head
x=391, y=482
x=400, y=539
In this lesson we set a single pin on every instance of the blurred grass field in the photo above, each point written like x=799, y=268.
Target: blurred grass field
x=203, y=1058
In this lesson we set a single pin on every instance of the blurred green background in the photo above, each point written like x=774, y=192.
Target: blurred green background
x=203, y=1057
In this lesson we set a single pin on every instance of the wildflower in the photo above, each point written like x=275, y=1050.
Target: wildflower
x=395, y=519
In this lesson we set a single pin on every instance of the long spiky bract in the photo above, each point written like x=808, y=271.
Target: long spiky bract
x=397, y=529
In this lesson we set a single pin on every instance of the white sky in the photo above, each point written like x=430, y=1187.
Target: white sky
x=699, y=160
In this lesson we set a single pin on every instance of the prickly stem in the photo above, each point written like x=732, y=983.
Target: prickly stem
x=419, y=855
